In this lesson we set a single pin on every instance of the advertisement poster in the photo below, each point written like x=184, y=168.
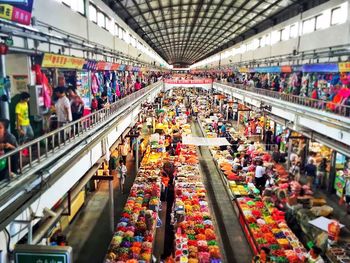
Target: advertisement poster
x=339, y=184
x=61, y=61
x=20, y=83
x=83, y=88
x=19, y=11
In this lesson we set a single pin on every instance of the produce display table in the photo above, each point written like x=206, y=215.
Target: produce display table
x=134, y=236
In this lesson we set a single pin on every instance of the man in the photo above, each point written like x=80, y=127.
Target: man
x=310, y=172
x=123, y=150
x=276, y=155
x=25, y=131
x=346, y=193
x=102, y=101
x=62, y=106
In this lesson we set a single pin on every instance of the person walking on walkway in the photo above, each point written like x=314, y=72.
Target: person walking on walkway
x=123, y=150
x=25, y=131
x=7, y=143
x=310, y=172
x=122, y=170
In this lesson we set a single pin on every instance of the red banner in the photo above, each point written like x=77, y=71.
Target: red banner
x=188, y=81
x=115, y=66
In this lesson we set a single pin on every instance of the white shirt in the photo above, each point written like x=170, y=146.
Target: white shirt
x=259, y=171
x=293, y=157
x=149, y=121
x=251, y=147
x=62, y=106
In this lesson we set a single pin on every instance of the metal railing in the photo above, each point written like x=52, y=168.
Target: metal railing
x=329, y=106
x=47, y=145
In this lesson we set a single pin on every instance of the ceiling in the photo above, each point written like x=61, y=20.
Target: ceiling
x=186, y=31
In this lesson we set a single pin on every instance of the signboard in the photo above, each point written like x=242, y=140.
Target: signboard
x=323, y=67
x=188, y=81
x=61, y=61
x=121, y=67
x=42, y=254
x=115, y=66
x=90, y=65
x=243, y=70
x=344, y=67
x=286, y=69
x=19, y=11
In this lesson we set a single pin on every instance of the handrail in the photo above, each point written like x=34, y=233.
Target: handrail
x=329, y=106
x=58, y=138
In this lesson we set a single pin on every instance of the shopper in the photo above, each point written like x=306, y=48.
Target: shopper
x=122, y=171
x=276, y=155
x=77, y=104
x=7, y=143
x=102, y=101
x=310, y=172
x=268, y=139
x=346, y=194
x=223, y=129
x=294, y=171
x=63, y=107
x=263, y=257
x=314, y=255
x=123, y=150
x=25, y=131
x=260, y=172
x=149, y=122
x=321, y=172
x=251, y=147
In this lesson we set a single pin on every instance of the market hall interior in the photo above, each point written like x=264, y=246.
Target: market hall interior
x=174, y=131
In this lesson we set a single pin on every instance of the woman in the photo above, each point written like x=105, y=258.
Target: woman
x=294, y=171
x=7, y=143
x=122, y=170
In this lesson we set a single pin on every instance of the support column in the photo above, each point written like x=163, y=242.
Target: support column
x=290, y=144
x=111, y=204
x=331, y=177
x=4, y=100
x=137, y=155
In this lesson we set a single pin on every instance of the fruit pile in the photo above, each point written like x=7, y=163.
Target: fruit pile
x=269, y=229
x=195, y=239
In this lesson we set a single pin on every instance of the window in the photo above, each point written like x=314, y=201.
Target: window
x=339, y=14
x=294, y=31
x=132, y=41
x=275, y=36
x=285, y=34
x=93, y=13
x=116, y=30
x=109, y=24
x=321, y=22
x=78, y=6
x=308, y=26
x=101, y=19
x=120, y=33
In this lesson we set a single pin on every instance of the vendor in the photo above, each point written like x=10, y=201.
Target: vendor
x=314, y=256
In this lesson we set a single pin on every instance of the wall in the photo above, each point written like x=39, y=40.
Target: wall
x=60, y=16
x=333, y=36
x=17, y=65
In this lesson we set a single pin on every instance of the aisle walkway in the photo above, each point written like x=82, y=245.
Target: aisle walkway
x=90, y=233
x=233, y=241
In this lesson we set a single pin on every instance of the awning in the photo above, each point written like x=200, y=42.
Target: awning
x=201, y=141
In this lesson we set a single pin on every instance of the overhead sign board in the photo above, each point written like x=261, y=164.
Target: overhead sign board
x=19, y=11
x=61, y=61
x=188, y=81
x=42, y=254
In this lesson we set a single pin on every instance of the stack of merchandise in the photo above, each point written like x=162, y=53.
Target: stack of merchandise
x=268, y=228
x=133, y=239
x=195, y=239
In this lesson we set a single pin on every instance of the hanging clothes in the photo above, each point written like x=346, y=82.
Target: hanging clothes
x=94, y=84
x=41, y=79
